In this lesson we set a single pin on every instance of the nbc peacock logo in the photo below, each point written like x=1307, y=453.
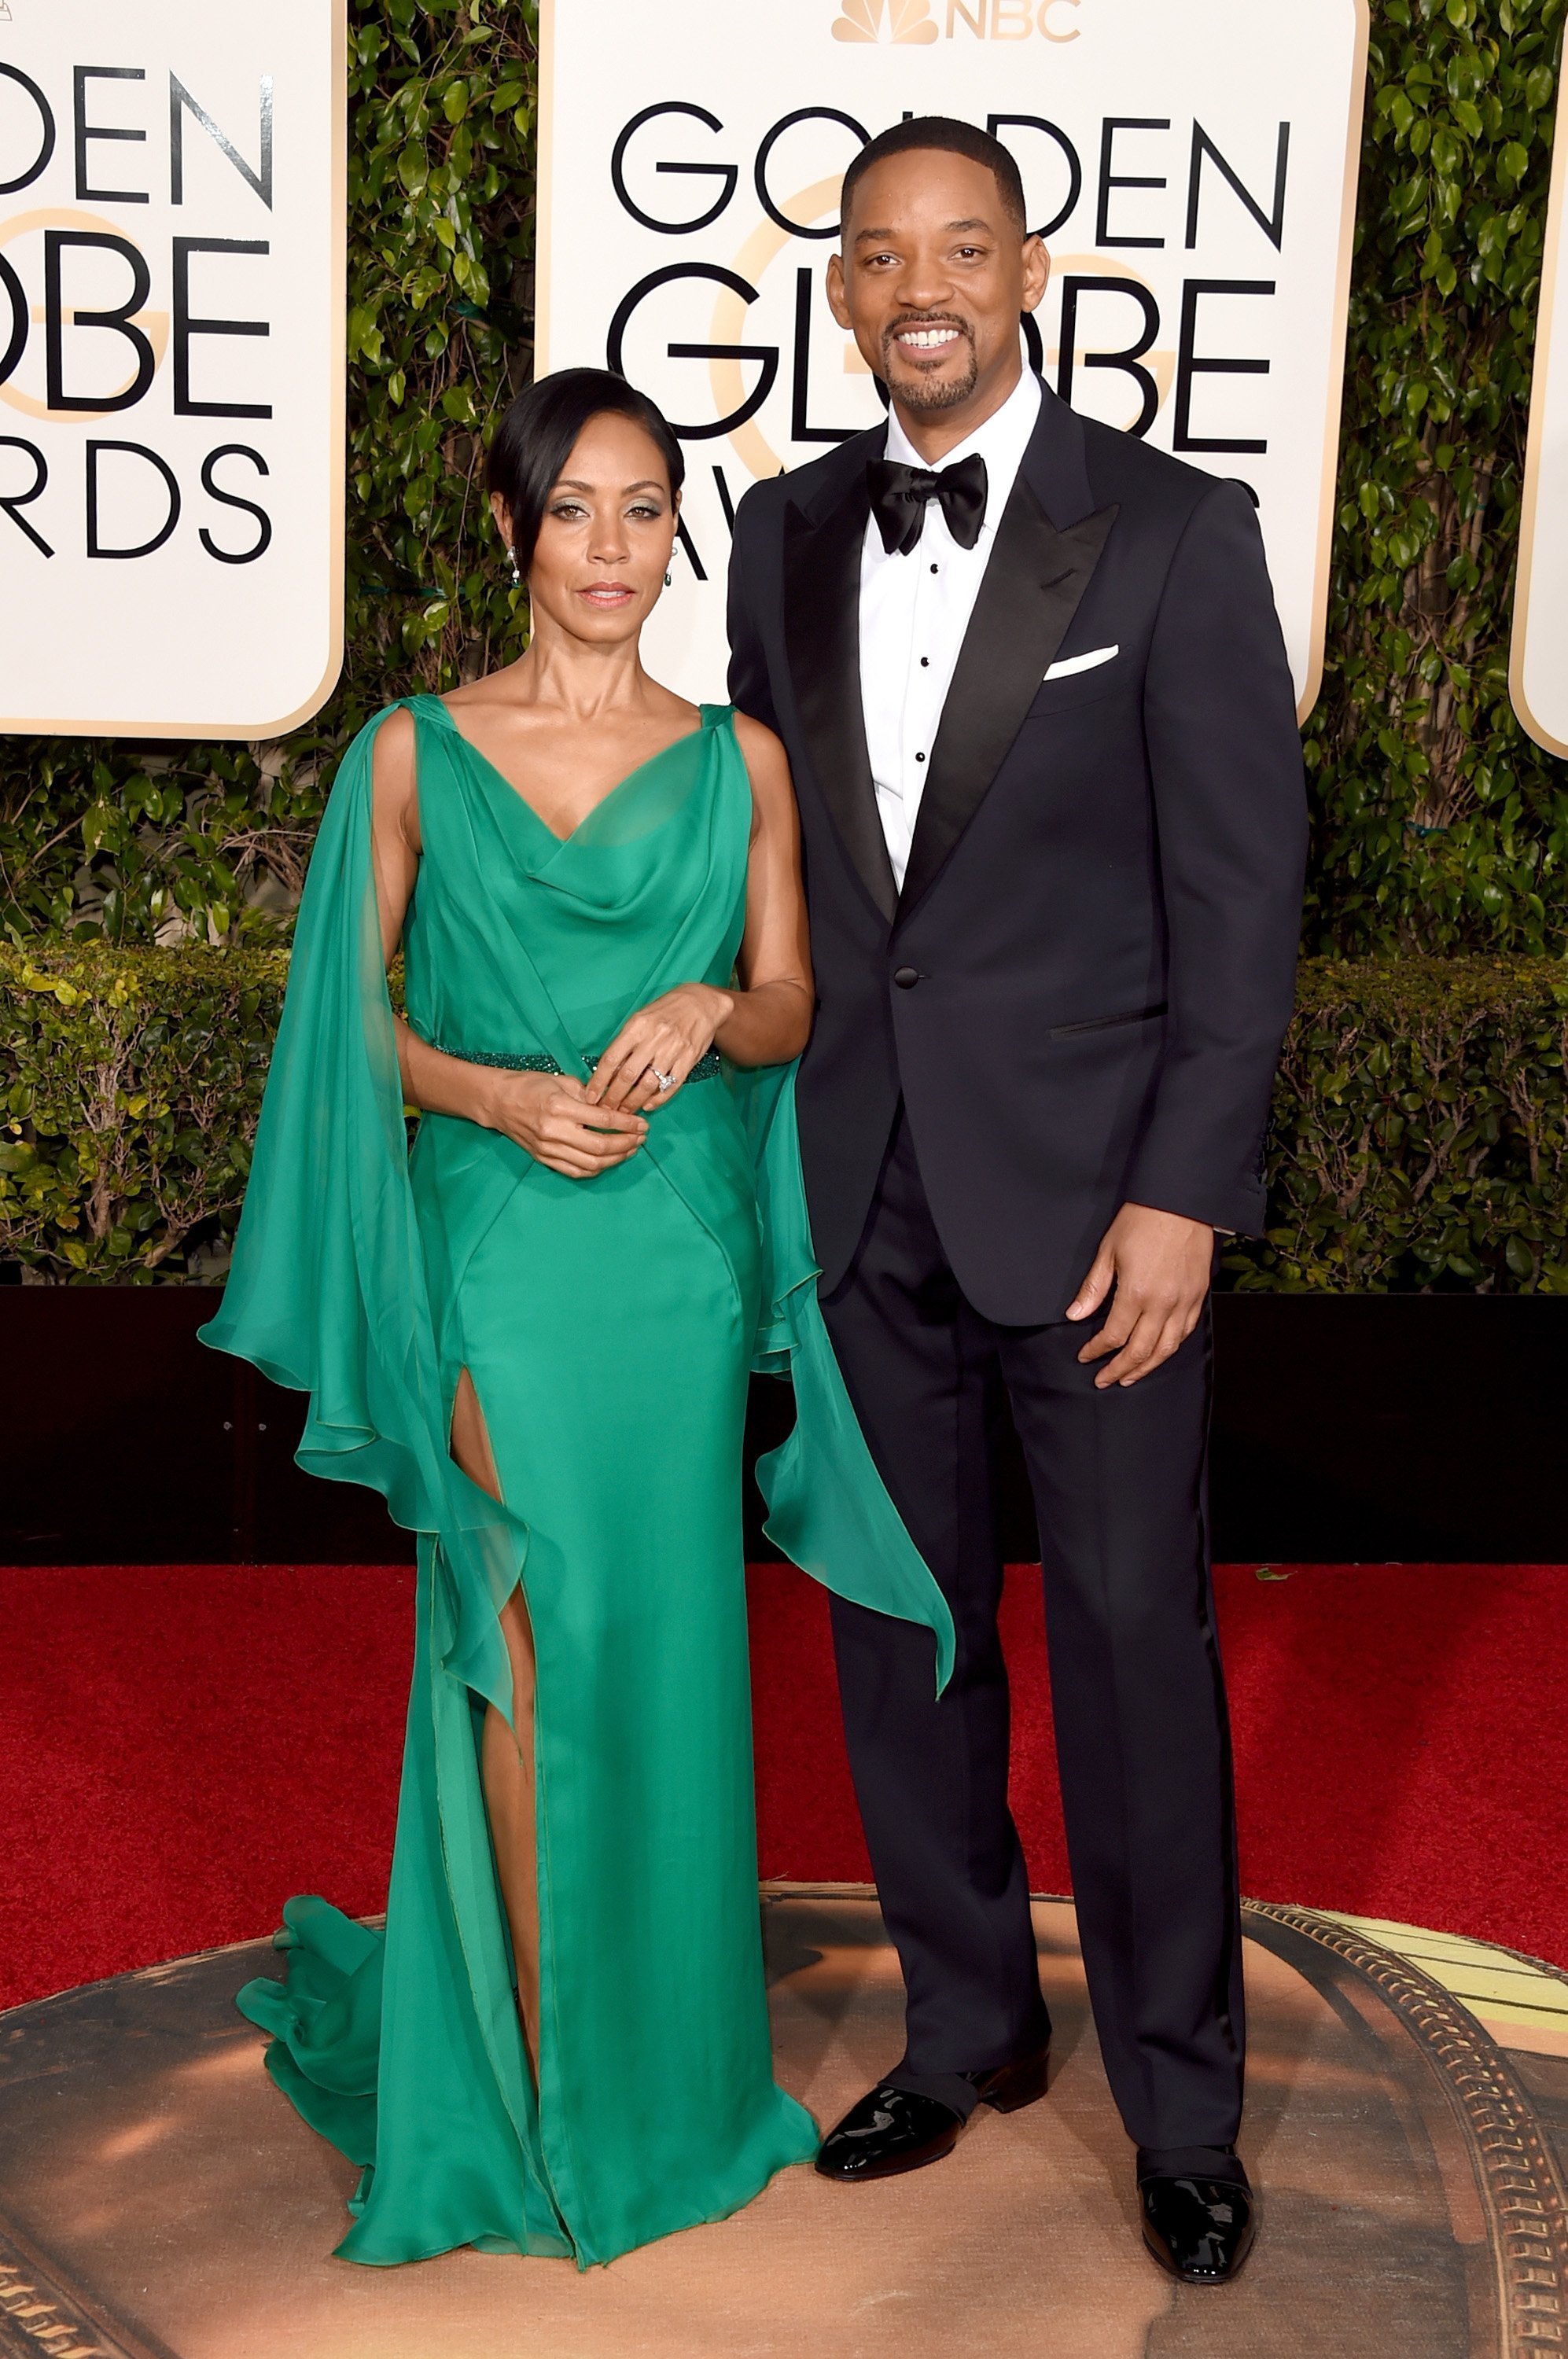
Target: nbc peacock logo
x=885, y=20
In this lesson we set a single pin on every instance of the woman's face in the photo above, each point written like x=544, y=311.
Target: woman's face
x=606, y=538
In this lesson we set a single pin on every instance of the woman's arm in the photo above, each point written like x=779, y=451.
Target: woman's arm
x=768, y=1019
x=771, y=1018
x=543, y=1111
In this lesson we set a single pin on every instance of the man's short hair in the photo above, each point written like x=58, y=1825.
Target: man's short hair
x=946, y=133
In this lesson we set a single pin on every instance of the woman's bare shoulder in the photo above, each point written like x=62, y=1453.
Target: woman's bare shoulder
x=762, y=750
x=394, y=749
x=395, y=770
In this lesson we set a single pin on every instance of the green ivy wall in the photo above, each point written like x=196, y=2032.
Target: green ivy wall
x=1439, y=825
x=1440, y=831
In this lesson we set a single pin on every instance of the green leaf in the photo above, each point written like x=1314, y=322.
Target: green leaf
x=1518, y=1257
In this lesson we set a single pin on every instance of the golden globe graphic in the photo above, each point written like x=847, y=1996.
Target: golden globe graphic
x=1538, y=667
x=1197, y=198
x=172, y=240
x=885, y=20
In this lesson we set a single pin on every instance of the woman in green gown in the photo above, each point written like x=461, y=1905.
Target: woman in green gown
x=533, y=1335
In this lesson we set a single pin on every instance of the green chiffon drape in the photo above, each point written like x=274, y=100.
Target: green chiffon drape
x=608, y=1328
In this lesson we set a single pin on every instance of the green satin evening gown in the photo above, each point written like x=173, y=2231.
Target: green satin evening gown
x=609, y=1326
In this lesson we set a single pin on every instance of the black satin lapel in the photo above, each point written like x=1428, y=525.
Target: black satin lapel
x=1029, y=594
x=822, y=632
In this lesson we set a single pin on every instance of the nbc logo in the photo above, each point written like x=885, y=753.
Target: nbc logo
x=885, y=20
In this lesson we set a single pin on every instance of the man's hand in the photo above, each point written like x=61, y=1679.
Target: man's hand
x=1161, y=1265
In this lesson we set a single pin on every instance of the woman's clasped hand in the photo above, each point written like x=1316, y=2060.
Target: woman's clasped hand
x=655, y=1049
x=582, y=1128
x=552, y=1118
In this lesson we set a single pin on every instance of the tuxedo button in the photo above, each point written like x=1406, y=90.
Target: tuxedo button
x=906, y=977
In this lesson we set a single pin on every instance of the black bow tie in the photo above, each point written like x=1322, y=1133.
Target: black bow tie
x=899, y=496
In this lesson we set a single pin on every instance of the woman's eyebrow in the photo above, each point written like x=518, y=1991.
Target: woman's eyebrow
x=575, y=483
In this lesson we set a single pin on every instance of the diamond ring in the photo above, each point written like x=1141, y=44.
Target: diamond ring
x=665, y=1080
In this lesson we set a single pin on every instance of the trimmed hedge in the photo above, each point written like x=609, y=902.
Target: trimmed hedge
x=132, y=1081
x=1420, y=1136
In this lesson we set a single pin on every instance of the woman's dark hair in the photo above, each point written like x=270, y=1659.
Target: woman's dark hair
x=946, y=133
x=535, y=440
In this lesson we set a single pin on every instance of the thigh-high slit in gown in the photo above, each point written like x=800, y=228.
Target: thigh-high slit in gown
x=608, y=1328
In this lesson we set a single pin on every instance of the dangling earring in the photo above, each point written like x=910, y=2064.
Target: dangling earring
x=516, y=577
x=668, y=580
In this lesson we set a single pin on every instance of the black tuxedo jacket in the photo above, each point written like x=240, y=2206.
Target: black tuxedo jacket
x=1082, y=989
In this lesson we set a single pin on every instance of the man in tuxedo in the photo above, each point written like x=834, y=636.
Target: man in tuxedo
x=1033, y=685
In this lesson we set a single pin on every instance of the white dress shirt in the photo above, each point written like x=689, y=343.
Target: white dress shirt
x=914, y=611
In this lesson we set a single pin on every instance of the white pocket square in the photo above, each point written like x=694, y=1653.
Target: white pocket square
x=1070, y=664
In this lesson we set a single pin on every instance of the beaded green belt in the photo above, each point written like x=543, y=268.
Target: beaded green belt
x=706, y=1069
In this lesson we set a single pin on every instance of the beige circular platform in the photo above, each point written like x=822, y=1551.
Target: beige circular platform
x=1408, y=2125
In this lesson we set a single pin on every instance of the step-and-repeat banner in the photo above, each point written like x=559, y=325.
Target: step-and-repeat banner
x=1538, y=672
x=1192, y=168
x=171, y=365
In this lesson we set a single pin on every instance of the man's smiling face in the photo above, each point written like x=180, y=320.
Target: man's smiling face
x=933, y=274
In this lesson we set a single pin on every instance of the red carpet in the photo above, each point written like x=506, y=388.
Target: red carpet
x=184, y=1745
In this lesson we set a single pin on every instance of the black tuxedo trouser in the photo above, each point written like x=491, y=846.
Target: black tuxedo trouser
x=1141, y=1731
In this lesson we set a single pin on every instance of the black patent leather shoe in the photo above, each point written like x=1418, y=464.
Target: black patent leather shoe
x=893, y=2130
x=1202, y=2230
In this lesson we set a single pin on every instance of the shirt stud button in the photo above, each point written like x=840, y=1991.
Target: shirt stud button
x=919, y=757
x=906, y=977
x=936, y=568
x=925, y=661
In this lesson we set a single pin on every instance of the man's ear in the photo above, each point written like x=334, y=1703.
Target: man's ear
x=836, y=303
x=1036, y=273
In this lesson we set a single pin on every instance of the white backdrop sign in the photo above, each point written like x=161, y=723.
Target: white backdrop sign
x=1192, y=170
x=171, y=365
x=1538, y=672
